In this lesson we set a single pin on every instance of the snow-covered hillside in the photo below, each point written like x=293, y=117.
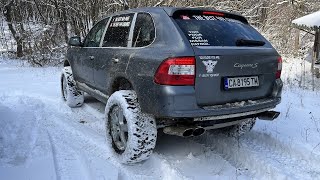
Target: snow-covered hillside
x=42, y=138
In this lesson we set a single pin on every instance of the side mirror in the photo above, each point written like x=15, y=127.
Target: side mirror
x=75, y=41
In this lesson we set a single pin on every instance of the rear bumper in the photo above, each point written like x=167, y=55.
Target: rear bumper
x=225, y=111
x=180, y=102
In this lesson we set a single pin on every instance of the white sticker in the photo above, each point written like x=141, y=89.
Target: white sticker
x=209, y=75
x=214, y=18
x=209, y=57
x=122, y=21
x=210, y=65
x=120, y=24
x=204, y=17
x=196, y=39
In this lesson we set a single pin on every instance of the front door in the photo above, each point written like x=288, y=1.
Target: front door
x=88, y=54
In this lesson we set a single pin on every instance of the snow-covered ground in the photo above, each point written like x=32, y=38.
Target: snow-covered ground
x=42, y=138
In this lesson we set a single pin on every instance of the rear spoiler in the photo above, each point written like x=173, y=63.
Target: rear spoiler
x=174, y=12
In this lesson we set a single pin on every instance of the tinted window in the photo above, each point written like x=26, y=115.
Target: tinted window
x=93, y=39
x=210, y=30
x=118, y=31
x=144, y=31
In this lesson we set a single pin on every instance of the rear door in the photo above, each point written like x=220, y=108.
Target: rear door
x=113, y=58
x=233, y=61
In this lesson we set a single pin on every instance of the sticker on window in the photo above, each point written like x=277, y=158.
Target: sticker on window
x=122, y=21
x=196, y=39
x=209, y=18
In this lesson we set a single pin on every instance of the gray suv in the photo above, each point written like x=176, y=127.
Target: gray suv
x=179, y=70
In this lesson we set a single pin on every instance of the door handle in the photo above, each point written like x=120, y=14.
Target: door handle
x=115, y=60
x=91, y=57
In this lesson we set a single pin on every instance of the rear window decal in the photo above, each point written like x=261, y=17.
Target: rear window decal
x=203, y=17
x=209, y=18
x=122, y=21
x=212, y=30
x=196, y=39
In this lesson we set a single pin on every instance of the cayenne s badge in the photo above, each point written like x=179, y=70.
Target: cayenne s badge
x=241, y=66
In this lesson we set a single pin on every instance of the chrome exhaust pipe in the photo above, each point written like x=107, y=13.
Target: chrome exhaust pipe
x=198, y=131
x=182, y=131
x=269, y=115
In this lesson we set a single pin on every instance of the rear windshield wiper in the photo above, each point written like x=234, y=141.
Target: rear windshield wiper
x=246, y=42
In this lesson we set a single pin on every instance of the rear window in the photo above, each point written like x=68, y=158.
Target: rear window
x=215, y=30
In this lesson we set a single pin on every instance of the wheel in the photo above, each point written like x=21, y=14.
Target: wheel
x=131, y=134
x=239, y=129
x=70, y=93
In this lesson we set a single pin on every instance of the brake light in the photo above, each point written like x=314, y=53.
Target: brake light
x=213, y=13
x=278, y=74
x=178, y=71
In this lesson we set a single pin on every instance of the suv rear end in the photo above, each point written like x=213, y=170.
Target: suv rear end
x=234, y=72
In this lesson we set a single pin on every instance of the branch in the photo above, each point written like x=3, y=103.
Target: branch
x=158, y=3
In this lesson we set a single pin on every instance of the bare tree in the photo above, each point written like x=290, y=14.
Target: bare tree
x=40, y=28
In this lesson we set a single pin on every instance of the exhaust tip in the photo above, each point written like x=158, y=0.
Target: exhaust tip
x=188, y=132
x=276, y=115
x=198, y=131
x=269, y=115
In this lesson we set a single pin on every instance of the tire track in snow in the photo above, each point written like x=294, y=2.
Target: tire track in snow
x=168, y=169
x=262, y=160
x=55, y=159
x=70, y=163
x=283, y=156
x=241, y=158
x=62, y=135
x=76, y=149
x=194, y=160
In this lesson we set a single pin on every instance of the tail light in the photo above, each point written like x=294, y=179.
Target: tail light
x=278, y=74
x=178, y=71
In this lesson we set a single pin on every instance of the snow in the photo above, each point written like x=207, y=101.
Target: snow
x=42, y=138
x=310, y=21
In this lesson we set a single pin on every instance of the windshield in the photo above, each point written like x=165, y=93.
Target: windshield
x=209, y=30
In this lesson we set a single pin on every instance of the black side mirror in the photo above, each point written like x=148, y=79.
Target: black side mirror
x=75, y=41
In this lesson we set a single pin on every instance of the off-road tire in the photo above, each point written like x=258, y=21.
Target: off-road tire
x=141, y=128
x=69, y=91
x=240, y=129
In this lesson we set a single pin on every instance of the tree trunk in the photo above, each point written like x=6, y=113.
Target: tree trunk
x=19, y=47
x=17, y=37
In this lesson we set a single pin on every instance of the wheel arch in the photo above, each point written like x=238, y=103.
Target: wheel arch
x=120, y=83
x=66, y=63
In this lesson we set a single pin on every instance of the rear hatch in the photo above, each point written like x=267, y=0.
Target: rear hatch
x=233, y=61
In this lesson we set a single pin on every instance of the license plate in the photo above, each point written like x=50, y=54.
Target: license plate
x=241, y=82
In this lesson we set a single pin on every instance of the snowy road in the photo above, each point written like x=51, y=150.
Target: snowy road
x=42, y=138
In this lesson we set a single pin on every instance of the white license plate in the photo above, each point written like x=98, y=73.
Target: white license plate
x=240, y=82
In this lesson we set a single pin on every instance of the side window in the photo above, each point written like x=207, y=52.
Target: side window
x=93, y=39
x=144, y=30
x=118, y=31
